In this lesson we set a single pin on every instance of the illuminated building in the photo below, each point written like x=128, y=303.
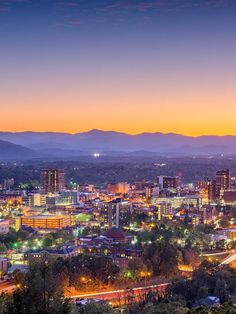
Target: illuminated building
x=223, y=179
x=208, y=214
x=115, y=213
x=111, y=214
x=4, y=226
x=8, y=184
x=178, y=201
x=63, y=199
x=118, y=188
x=116, y=234
x=17, y=223
x=52, y=180
x=151, y=190
x=50, y=254
x=47, y=221
x=87, y=196
x=164, y=210
x=202, y=185
x=34, y=199
x=3, y=265
x=12, y=200
x=212, y=191
x=195, y=220
x=229, y=197
x=217, y=187
x=233, y=183
x=166, y=182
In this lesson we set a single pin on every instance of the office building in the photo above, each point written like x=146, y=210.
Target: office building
x=166, y=182
x=223, y=179
x=118, y=188
x=116, y=213
x=34, y=200
x=53, y=180
x=229, y=197
x=4, y=226
x=217, y=187
x=47, y=221
x=3, y=266
x=213, y=193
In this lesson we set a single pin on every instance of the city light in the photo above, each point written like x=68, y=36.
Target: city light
x=96, y=155
x=118, y=156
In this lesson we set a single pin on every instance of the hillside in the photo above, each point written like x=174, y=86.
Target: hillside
x=9, y=151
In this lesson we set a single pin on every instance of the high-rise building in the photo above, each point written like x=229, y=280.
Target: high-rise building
x=152, y=191
x=8, y=184
x=52, y=180
x=229, y=197
x=116, y=213
x=34, y=199
x=166, y=182
x=223, y=179
x=212, y=191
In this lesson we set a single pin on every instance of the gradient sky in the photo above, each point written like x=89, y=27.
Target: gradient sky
x=132, y=66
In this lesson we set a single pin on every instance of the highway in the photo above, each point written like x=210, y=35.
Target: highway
x=7, y=286
x=124, y=296
x=229, y=259
x=115, y=297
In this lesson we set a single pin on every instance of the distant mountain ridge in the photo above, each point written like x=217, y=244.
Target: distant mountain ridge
x=12, y=151
x=57, y=143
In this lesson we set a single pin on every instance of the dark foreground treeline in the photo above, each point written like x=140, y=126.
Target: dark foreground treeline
x=40, y=291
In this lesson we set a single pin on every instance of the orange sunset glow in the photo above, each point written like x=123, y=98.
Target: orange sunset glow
x=191, y=108
x=166, y=70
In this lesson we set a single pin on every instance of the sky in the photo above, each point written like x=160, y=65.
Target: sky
x=132, y=66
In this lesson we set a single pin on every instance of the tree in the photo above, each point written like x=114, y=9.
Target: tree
x=136, y=267
x=221, y=290
x=224, y=222
x=96, y=308
x=190, y=257
x=47, y=242
x=19, y=278
x=2, y=247
x=171, y=307
x=162, y=256
x=208, y=279
x=164, y=307
x=40, y=291
x=140, y=218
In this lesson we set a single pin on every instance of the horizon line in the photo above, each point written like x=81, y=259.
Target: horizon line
x=123, y=132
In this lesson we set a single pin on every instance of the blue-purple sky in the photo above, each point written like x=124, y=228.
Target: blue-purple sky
x=134, y=66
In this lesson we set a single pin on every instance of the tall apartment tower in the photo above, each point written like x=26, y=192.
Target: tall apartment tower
x=223, y=179
x=213, y=193
x=52, y=180
x=113, y=212
x=166, y=182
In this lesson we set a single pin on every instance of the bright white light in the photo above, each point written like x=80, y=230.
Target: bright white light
x=96, y=155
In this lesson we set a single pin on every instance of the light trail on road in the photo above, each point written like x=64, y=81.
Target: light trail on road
x=121, y=295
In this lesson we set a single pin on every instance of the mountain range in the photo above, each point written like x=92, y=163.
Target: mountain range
x=39, y=144
x=9, y=151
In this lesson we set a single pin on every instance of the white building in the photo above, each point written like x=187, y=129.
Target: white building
x=4, y=226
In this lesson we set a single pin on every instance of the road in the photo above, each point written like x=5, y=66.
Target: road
x=124, y=296
x=229, y=259
x=7, y=286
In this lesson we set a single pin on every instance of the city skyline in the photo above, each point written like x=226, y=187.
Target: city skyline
x=137, y=66
x=117, y=156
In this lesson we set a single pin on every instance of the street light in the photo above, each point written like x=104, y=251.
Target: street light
x=83, y=279
x=145, y=274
